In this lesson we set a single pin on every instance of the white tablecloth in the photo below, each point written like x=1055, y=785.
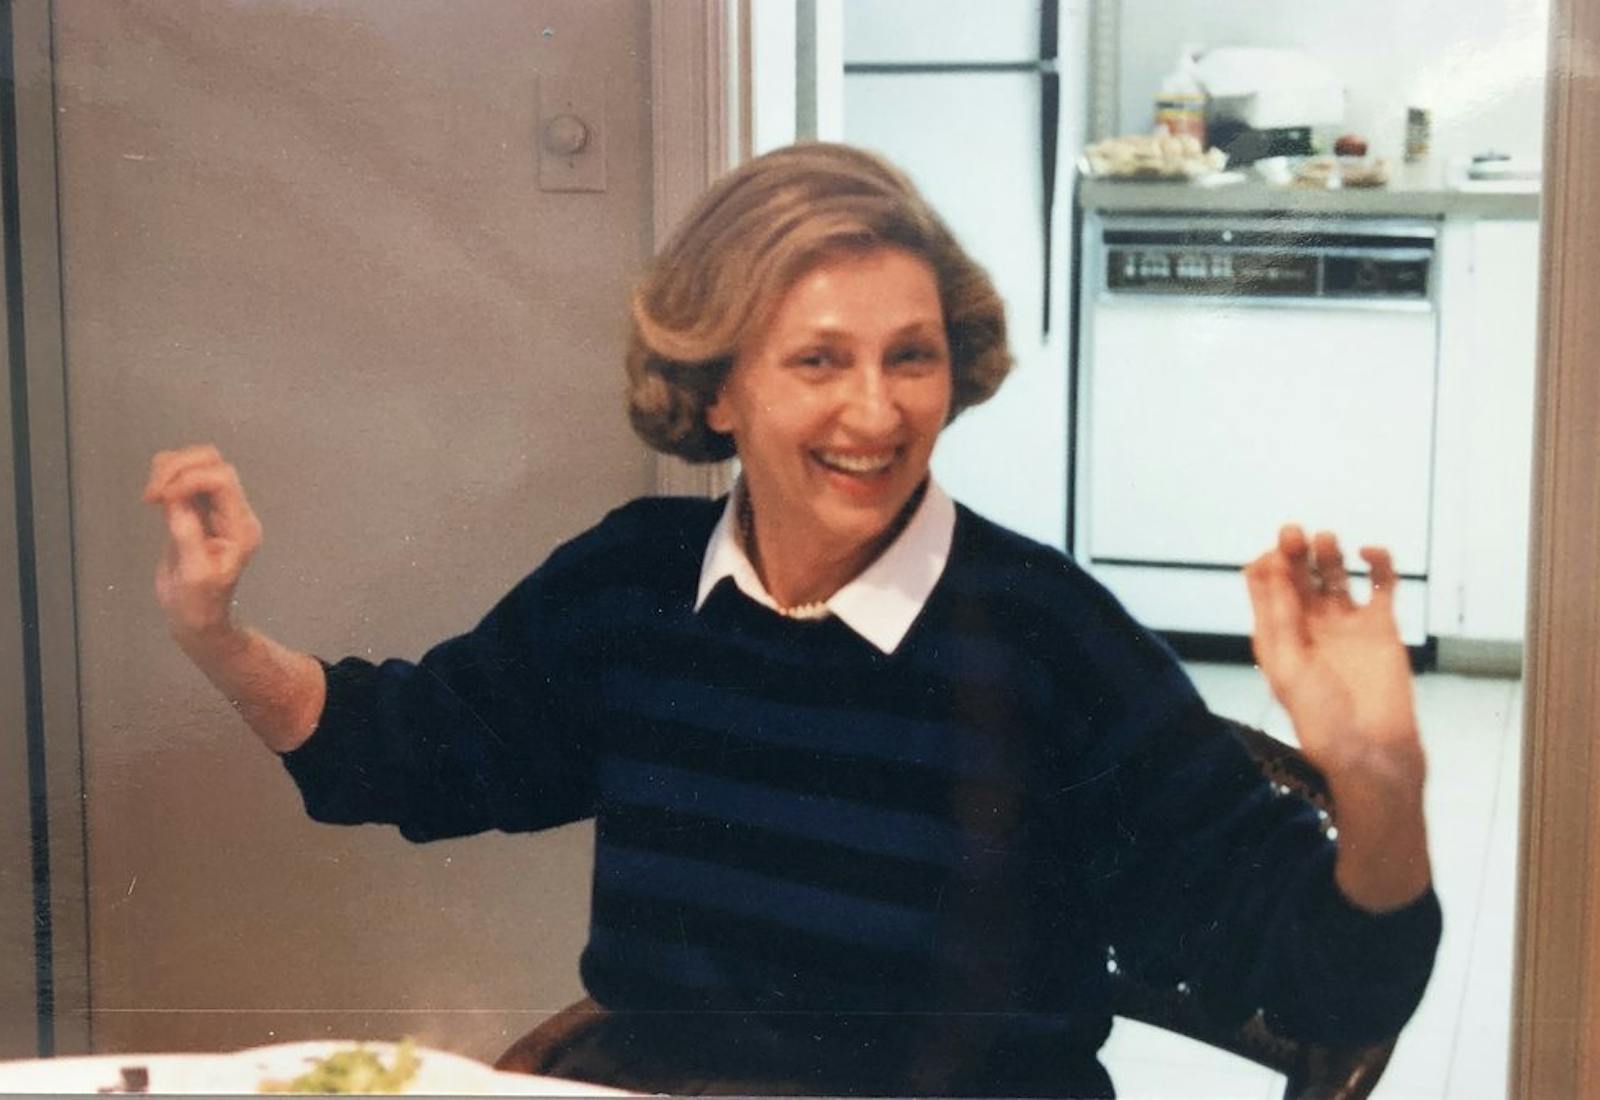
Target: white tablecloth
x=438, y=1073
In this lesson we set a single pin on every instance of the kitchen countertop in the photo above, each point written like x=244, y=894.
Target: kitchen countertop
x=1414, y=191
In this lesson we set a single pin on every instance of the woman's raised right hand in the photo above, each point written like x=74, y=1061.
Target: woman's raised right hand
x=211, y=534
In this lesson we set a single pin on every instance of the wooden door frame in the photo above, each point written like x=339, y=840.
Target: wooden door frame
x=1556, y=1014
x=696, y=113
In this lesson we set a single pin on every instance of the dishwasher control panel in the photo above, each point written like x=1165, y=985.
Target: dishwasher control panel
x=1189, y=271
x=1385, y=261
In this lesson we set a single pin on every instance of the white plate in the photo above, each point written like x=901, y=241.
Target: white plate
x=438, y=1072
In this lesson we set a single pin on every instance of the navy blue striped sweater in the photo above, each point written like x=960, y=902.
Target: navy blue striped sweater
x=789, y=820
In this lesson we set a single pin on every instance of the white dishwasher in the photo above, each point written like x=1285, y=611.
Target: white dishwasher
x=1235, y=374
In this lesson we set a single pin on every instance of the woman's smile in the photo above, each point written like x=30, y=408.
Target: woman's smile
x=857, y=465
x=834, y=409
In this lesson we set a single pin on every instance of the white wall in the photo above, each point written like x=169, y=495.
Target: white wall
x=772, y=76
x=1477, y=64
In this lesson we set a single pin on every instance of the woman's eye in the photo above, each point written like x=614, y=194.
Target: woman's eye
x=917, y=357
x=815, y=359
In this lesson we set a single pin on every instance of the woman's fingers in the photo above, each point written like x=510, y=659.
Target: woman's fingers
x=199, y=477
x=165, y=465
x=219, y=499
x=1315, y=567
x=1327, y=565
x=1279, y=638
x=198, y=572
x=1292, y=543
x=208, y=477
x=1384, y=577
x=211, y=531
x=188, y=537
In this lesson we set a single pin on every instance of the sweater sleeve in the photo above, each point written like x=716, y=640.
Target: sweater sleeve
x=1209, y=875
x=481, y=733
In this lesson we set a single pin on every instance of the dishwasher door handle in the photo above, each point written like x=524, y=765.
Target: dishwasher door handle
x=1213, y=302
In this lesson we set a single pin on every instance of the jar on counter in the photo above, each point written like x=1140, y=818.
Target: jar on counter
x=1181, y=102
x=1419, y=133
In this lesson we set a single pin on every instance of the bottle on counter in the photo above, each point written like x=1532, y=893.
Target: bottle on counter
x=1419, y=134
x=1181, y=102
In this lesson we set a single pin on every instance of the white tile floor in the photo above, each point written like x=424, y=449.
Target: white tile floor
x=1456, y=1046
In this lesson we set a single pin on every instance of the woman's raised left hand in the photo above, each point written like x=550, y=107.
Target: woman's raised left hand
x=1341, y=671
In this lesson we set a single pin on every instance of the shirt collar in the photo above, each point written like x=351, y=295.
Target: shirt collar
x=883, y=601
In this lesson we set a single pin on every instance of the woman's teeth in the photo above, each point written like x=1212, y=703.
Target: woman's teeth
x=855, y=464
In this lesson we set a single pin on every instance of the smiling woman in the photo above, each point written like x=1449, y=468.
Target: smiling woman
x=876, y=782
x=718, y=280
x=834, y=412
x=816, y=317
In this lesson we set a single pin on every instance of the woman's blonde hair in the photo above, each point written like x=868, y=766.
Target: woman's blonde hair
x=718, y=280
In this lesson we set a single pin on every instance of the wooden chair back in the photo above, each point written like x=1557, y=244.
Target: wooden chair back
x=1313, y=1071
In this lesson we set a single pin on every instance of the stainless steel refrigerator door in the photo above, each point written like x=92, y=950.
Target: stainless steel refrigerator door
x=19, y=1031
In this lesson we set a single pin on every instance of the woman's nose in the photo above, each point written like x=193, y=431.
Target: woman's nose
x=870, y=406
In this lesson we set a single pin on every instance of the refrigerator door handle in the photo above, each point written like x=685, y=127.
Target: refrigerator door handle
x=1049, y=118
x=1049, y=128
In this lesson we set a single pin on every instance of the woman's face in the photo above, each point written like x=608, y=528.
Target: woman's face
x=836, y=406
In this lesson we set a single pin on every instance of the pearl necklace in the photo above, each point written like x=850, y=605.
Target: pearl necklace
x=810, y=612
x=816, y=609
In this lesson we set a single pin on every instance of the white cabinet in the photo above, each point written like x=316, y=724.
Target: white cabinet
x=1488, y=314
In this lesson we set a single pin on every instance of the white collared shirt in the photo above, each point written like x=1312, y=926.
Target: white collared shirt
x=883, y=601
